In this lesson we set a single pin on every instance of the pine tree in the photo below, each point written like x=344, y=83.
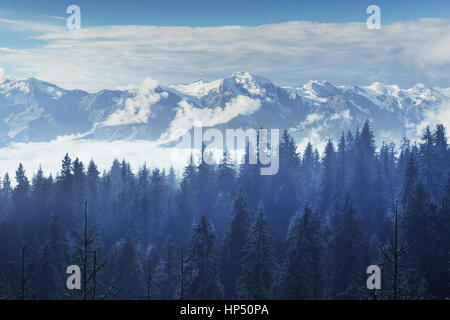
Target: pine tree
x=21, y=192
x=225, y=192
x=328, y=178
x=166, y=275
x=284, y=197
x=363, y=172
x=6, y=192
x=202, y=268
x=441, y=235
x=205, y=179
x=304, y=266
x=341, y=184
x=410, y=177
x=234, y=242
x=157, y=198
x=346, y=253
x=93, y=180
x=128, y=271
x=258, y=266
x=417, y=219
x=310, y=176
x=185, y=201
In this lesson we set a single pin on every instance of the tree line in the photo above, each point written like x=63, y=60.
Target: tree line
x=226, y=232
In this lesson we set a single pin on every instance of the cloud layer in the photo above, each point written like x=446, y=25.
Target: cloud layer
x=188, y=116
x=50, y=154
x=137, y=109
x=289, y=53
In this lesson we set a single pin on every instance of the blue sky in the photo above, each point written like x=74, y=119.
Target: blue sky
x=35, y=43
x=232, y=12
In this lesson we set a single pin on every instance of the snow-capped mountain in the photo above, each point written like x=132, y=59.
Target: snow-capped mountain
x=34, y=110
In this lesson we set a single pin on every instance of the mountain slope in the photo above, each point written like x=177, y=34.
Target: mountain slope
x=34, y=110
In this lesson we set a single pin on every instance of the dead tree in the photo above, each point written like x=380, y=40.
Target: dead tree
x=396, y=254
x=24, y=276
x=85, y=242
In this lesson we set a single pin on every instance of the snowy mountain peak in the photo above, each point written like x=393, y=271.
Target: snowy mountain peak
x=247, y=79
x=247, y=83
x=317, y=90
x=31, y=85
x=239, y=83
x=424, y=91
x=382, y=89
x=46, y=88
x=198, y=88
x=34, y=110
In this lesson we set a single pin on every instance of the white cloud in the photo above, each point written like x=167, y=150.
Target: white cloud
x=312, y=118
x=50, y=154
x=439, y=115
x=288, y=53
x=188, y=116
x=3, y=75
x=344, y=115
x=317, y=129
x=136, y=109
x=35, y=27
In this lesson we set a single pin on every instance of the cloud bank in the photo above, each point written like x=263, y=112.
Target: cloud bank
x=136, y=109
x=290, y=53
x=3, y=75
x=50, y=154
x=188, y=116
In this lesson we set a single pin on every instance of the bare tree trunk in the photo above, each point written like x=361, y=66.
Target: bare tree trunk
x=24, y=275
x=85, y=252
x=396, y=251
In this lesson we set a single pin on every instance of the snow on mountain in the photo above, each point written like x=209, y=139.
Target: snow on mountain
x=238, y=83
x=34, y=110
x=198, y=88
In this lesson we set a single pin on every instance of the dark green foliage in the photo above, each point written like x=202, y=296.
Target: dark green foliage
x=327, y=214
x=202, y=265
x=303, y=272
x=258, y=266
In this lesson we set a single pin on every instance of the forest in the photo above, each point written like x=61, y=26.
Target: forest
x=226, y=232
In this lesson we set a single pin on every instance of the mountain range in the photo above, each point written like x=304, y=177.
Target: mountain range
x=32, y=110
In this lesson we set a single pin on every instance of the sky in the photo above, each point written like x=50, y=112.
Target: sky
x=122, y=43
x=177, y=41
x=204, y=13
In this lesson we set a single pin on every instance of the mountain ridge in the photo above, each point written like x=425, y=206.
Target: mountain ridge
x=32, y=110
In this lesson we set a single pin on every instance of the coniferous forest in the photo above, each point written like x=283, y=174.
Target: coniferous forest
x=226, y=232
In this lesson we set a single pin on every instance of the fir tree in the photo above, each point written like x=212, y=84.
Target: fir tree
x=202, y=267
x=234, y=242
x=258, y=266
x=304, y=266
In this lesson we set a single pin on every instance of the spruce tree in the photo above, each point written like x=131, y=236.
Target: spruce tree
x=258, y=266
x=304, y=266
x=202, y=265
x=234, y=242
